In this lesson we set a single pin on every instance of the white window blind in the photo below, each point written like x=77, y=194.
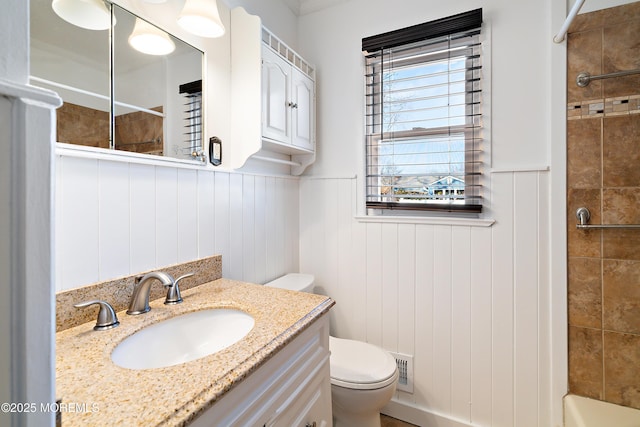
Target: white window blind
x=423, y=116
x=192, y=116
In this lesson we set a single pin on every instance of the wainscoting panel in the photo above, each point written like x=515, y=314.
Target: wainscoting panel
x=143, y=217
x=77, y=222
x=115, y=219
x=465, y=301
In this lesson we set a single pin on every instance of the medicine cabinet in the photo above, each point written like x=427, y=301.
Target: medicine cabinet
x=116, y=97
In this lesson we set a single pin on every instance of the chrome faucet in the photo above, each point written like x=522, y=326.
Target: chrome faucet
x=140, y=299
x=173, y=293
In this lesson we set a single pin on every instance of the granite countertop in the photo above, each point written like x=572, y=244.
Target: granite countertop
x=98, y=392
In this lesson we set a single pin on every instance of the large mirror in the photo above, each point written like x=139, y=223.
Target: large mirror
x=117, y=94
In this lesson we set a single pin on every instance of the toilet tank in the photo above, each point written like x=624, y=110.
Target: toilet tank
x=294, y=282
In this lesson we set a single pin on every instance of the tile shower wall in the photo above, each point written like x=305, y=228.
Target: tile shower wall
x=140, y=132
x=114, y=219
x=603, y=174
x=77, y=124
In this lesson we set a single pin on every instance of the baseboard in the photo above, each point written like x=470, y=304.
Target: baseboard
x=420, y=416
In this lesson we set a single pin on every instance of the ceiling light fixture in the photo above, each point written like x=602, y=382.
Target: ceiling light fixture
x=149, y=39
x=201, y=17
x=88, y=14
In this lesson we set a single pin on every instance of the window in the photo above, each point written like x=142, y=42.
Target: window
x=423, y=116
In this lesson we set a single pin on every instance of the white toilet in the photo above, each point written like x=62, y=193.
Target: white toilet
x=363, y=376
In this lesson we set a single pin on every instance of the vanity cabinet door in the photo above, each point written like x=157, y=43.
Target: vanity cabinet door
x=302, y=112
x=293, y=388
x=309, y=406
x=276, y=109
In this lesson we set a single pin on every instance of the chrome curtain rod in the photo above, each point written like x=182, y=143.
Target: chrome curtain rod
x=584, y=216
x=585, y=78
x=558, y=38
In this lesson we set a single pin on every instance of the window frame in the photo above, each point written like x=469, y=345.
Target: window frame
x=452, y=210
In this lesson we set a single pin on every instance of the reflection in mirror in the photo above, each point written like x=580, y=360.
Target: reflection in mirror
x=136, y=102
x=74, y=62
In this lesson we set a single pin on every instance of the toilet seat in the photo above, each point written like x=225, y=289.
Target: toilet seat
x=359, y=365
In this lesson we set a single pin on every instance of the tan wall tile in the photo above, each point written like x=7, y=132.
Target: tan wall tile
x=622, y=370
x=621, y=244
x=621, y=296
x=584, y=153
x=621, y=14
x=140, y=132
x=620, y=205
x=585, y=292
x=621, y=151
x=83, y=126
x=621, y=52
x=584, y=55
x=585, y=362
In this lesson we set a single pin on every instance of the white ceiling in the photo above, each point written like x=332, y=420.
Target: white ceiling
x=303, y=7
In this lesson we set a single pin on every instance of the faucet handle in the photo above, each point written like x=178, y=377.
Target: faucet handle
x=107, y=318
x=173, y=291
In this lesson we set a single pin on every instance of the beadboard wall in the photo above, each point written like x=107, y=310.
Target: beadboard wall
x=470, y=303
x=116, y=218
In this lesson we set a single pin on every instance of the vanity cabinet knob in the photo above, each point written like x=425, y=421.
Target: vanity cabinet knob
x=107, y=318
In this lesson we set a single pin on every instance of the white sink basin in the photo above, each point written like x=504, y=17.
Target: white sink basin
x=183, y=338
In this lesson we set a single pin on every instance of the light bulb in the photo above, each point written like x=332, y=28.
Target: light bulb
x=201, y=17
x=88, y=14
x=149, y=39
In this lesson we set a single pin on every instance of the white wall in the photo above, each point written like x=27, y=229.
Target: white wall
x=275, y=15
x=115, y=219
x=472, y=304
x=45, y=63
x=465, y=301
x=519, y=44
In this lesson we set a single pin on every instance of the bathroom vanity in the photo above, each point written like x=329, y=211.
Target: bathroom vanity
x=277, y=375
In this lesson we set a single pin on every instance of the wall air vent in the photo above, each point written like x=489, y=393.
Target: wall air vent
x=405, y=370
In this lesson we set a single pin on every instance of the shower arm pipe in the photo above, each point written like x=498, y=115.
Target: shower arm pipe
x=583, y=215
x=559, y=38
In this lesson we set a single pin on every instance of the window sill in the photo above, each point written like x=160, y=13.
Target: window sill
x=463, y=222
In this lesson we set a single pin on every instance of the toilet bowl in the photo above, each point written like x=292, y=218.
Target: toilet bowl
x=363, y=376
